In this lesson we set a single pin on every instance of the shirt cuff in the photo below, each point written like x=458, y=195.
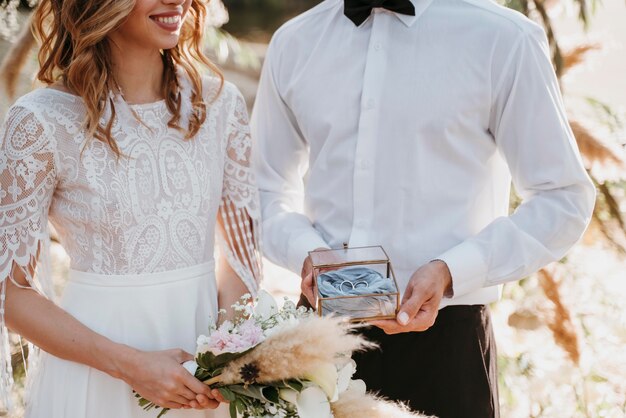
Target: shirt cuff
x=299, y=247
x=467, y=268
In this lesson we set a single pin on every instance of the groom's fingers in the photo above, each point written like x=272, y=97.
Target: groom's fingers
x=387, y=325
x=426, y=317
x=307, y=288
x=411, y=307
x=408, y=292
x=423, y=320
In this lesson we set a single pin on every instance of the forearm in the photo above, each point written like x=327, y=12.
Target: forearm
x=230, y=289
x=288, y=233
x=541, y=231
x=288, y=237
x=55, y=331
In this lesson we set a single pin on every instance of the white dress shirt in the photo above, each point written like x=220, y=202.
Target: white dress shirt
x=406, y=132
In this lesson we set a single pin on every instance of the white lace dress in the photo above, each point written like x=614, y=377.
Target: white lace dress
x=139, y=231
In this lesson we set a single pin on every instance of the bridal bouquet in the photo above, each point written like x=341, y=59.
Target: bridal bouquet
x=286, y=362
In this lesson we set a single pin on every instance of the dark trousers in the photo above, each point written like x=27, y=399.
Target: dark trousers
x=448, y=371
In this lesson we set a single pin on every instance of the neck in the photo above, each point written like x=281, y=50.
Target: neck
x=138, y=73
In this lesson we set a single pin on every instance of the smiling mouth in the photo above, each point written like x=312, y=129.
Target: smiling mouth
x=168, y=20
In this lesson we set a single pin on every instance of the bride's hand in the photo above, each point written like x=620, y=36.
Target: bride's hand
x=160, y=377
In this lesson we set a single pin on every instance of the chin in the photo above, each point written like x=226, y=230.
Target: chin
x=166, y=42
x=169, y=45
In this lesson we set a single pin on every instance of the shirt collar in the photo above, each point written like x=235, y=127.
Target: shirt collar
x=420, y=7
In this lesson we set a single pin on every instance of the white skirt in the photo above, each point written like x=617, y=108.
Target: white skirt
x=149, y=312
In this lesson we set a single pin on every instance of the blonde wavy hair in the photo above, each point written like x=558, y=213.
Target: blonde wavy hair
x=75, y=50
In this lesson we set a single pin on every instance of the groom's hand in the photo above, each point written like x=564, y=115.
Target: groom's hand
x=307, y=285
x=420, y=304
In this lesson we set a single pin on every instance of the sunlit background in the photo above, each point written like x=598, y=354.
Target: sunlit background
x=562, y=333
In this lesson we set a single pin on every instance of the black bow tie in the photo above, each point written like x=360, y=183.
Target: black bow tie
x=359, y=10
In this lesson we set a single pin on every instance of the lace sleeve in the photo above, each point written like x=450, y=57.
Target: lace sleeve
x=239, y=212
x=27, y=180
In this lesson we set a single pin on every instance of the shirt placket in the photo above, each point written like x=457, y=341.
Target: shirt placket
x=364, y=162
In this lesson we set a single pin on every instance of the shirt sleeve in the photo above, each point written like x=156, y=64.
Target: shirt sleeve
x=531, y=130
x=281, y=161
x=239, y=213
x=27, y=180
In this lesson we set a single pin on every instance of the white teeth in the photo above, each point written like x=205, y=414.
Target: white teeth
x=170, y=20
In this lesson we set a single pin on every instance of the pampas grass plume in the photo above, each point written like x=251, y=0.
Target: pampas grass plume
x=353, y=404
x=560, y=323
x=294, y=351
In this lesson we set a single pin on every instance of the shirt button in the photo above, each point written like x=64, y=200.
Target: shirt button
x=378, y=47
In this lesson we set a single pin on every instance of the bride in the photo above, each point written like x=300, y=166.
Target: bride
x=137, y=160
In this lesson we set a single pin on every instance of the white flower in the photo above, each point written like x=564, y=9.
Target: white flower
x=289, y=395
x=311, y=402
x=357, y=386
x=227, y=326
x=265, y=306
x=281, y=323
x=202, y=344
x=325, y=376
x=345, y=376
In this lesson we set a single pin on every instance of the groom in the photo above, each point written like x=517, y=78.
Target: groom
x=402, y=123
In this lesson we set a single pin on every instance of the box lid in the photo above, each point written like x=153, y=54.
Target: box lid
x=357, y=255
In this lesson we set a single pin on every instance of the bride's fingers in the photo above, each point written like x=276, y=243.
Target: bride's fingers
x=217, y=395
x=187, y=394
x=180, y=400
x=196, y=386
x=172, y=405
x=181, y=356
x=205, y=402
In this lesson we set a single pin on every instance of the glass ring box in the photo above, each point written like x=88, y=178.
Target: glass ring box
x=358, y=283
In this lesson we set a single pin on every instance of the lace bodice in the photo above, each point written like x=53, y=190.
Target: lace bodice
x=153, y=209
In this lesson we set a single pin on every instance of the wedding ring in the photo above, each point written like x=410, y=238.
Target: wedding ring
x=363, y=282
x=344, y=282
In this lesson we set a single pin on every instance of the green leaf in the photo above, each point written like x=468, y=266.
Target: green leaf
x=598, y=379
x=233, y=410
x=203, y=375
x=228, y=394
x=252, y=391
x=210, y=361
x=241, y=407
x=294, y=384
x=143, y=402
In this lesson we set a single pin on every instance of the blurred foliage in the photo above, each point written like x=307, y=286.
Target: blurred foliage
x=256, y=20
